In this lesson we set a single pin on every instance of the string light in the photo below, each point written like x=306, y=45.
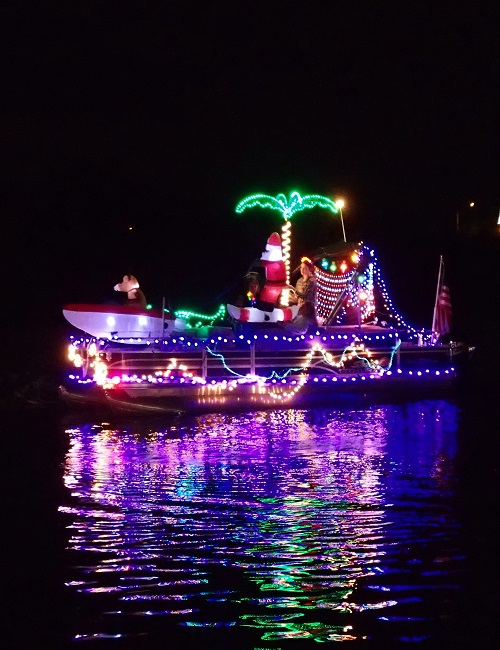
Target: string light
x=200, y=320
x=341, y=283
x=355, y=357
x=288, y=208
x=354, y=282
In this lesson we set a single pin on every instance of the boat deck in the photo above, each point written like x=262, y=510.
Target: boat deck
x=265, y=351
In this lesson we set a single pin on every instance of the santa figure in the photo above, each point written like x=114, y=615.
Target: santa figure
x=267, y=308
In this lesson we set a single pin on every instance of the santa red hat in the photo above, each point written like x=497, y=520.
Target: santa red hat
x=273, y=251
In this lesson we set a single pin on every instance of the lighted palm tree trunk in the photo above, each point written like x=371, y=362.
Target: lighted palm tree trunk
x=287, y=209
x=286, y=233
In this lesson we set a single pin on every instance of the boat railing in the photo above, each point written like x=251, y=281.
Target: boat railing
x=238, y=362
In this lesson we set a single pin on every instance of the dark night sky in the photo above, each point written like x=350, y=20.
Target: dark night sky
x=164, y=115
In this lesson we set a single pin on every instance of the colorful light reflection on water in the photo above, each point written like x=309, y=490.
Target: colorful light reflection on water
x=261, y=529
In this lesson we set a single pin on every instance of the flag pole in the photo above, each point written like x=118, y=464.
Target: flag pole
x=438, y=291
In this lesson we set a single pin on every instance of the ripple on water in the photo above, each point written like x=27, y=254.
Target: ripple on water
x=272, y=526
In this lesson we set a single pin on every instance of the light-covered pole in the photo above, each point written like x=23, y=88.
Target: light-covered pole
x=340, y=204
x=287, y=207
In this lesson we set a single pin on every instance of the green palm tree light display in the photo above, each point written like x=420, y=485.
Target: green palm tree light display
x=287, y=208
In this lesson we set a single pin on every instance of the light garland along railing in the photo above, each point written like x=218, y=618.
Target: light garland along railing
x=277, y=387
x=183, y=342
x=203, y=320
x=89, y=356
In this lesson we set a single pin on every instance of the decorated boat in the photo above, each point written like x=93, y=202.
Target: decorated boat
x=258, y=356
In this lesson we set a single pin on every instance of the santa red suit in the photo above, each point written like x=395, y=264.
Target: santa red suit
x=274, y=271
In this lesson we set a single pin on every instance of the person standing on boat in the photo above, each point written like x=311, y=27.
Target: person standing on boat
x=305, y=296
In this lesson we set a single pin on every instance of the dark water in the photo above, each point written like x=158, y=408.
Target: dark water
x=280, y=529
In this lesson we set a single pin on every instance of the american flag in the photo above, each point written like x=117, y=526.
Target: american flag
x=442, y=320
x=443, y=312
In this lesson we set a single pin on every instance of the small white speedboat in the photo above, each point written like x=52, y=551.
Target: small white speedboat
x=122, y=322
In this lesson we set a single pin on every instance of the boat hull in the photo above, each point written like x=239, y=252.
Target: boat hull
x=224, y=373
x=320, y=391
x=117, y=322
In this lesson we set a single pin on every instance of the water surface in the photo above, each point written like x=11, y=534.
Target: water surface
x=269, y=529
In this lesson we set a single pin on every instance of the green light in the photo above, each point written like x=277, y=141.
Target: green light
x=183, y=313
x=288, y=208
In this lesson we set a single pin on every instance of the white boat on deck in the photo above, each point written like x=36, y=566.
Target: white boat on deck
x=124, y=323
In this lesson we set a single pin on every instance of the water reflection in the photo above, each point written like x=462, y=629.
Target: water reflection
x=267, y=527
